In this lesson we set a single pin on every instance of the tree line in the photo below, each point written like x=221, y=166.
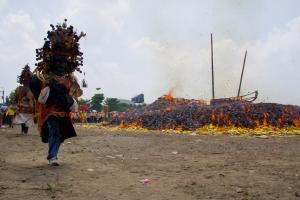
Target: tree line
x=98, y=100
x=95, y=103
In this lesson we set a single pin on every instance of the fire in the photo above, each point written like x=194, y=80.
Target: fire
x=122, y=125
x=257, y=123
x=265, y=122
x=169, y=113
x=228, y=122
x=170, y=94
x=168, y=97
x=297, y=123
x=213, y=116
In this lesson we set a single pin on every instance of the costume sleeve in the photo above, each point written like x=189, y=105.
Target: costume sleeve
x=35, y=86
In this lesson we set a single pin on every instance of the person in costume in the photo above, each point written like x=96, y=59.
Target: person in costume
x=24, y=101
x=55, y=87
x=1, y=117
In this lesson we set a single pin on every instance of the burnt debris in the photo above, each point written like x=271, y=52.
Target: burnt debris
x=173, y=113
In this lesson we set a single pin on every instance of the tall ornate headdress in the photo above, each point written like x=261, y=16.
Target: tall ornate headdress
x=60, y=54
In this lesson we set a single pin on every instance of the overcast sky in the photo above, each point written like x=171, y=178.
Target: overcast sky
x=153, y=46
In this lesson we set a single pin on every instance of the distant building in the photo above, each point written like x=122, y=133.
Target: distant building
x=138, y=99
x=126, y=101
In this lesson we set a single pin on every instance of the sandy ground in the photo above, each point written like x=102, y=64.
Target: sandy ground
x=110, y=165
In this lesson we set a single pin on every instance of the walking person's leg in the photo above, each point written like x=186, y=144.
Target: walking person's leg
x=53, y=141
x=11, y=118
x=9, y=121
x=26, y=129
x=23, y=128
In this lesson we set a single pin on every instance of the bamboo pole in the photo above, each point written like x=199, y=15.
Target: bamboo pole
x=212, y=67
x=242, y=74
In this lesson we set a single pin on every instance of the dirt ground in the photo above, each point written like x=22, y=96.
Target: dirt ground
x=111, y=165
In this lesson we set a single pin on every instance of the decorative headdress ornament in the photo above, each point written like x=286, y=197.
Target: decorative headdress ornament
x=25, y=74
x=60, y=54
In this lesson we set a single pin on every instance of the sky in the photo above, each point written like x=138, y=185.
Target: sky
x=155, y=46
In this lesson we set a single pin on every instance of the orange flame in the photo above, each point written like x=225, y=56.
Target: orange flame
x=168, y=96
x=213, y=116
x=265, y=122
x=297, y=123
x=257, y=122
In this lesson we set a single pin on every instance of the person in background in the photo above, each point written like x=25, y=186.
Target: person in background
x=24, y=101
x=98, y=117
x=10, y=113
x=1, y=117
x=89, y=117
x=94, y=119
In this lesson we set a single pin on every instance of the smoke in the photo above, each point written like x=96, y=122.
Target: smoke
x=187, y=72
x=271, y=66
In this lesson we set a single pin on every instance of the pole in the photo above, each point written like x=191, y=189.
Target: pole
x=212, y=67
x=242, y=74
x=2, y=91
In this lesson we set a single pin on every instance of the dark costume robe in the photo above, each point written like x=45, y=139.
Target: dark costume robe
x=57, y=106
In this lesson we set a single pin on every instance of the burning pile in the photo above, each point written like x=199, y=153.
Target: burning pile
x=177, y=113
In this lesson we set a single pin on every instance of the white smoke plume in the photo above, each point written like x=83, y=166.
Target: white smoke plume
x=271, y=66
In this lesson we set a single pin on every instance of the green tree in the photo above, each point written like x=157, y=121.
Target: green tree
x=82, y=101
x=96, y=101
x=115, y=105
x=112, y=103
x=123, y=107
x=11, y=98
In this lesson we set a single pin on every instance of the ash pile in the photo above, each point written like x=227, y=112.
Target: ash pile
x=173, y=113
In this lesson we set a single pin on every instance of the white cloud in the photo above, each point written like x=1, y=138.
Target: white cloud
x=146, y=42
x=17, y=46
x=3, y=3
x=275, y=64
x=108, y=14
x=20, y=19
x=17, y=31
